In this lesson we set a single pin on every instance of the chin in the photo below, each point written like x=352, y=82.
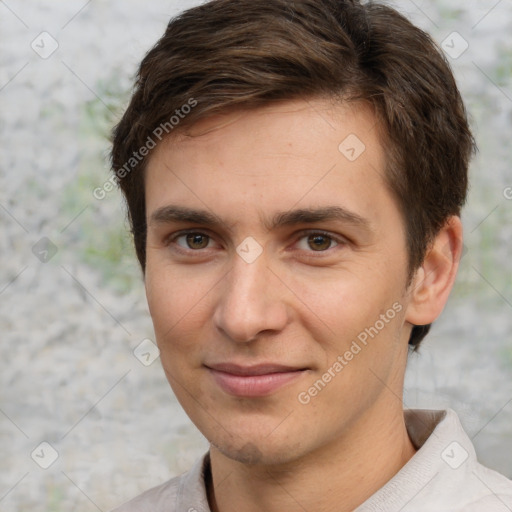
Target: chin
x=249, y=453
x=258, y=450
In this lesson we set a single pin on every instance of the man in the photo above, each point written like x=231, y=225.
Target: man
x=294, y=173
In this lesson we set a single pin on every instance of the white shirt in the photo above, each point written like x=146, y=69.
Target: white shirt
x=443, y=476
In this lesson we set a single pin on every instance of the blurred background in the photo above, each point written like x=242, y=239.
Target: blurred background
x=75, y=371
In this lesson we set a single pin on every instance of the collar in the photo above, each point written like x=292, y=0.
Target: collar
x=430, y=431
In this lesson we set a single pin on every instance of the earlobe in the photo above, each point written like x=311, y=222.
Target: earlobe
x=433, y=281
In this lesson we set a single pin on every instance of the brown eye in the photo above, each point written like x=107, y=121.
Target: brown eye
x=319, y=242
x=197, y=240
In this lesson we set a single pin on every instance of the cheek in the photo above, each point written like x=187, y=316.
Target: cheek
x=344, y=303
x=179, y=304
x=362, y=360
x=166, y=300
x=161, y=297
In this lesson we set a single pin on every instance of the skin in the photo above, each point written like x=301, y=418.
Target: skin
x=301, y=302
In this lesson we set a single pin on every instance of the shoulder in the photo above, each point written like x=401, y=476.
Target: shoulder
x=460, y=483
x=159, y=498
x=444, y=475
x=478, y=487
x=184, y=492
x=493, y=491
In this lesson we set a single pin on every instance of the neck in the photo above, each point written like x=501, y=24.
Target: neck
x=340, y=476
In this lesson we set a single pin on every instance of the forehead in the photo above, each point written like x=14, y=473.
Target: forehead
x=283, y=125
x=296, y=153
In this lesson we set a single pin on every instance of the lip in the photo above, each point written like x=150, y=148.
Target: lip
x=253, y=381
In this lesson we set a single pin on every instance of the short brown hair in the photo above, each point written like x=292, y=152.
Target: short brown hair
x=229, y=54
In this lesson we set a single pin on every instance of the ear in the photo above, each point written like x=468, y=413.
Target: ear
x=433, y=281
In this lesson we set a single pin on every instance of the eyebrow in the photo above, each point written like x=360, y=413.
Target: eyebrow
x=174, y=213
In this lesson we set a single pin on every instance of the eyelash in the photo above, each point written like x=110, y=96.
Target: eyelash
x=303, y=234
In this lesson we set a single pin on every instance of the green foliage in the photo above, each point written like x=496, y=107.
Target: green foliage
x=503, y=70
x=449, y=14
x=100, y=237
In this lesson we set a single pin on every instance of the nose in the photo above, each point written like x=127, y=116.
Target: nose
x=251, y=301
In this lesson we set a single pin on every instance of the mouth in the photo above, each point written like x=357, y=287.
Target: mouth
x=253, y=381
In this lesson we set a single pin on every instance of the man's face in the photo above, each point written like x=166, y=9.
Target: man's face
x=280, y=332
